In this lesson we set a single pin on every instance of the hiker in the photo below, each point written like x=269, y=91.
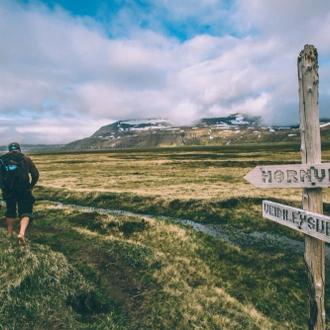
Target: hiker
x=19, y=175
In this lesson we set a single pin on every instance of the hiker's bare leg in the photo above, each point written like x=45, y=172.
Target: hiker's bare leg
x=24, y=223
x=10, y=225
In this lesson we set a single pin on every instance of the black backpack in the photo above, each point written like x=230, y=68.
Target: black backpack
x=13, y=173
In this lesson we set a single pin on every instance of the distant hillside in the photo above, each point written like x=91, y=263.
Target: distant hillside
x=155, y=132
x=235, y=119
x=26, y=148
x=131, y=125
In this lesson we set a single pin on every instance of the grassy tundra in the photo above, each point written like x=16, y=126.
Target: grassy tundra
x=88, y=269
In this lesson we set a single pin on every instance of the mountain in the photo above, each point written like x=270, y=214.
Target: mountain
x=131, y=125
x=232, y=120
x=159, y=132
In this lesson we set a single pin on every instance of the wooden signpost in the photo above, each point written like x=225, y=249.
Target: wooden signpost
x=290, y=176
x=309, y=223
x=312, y=176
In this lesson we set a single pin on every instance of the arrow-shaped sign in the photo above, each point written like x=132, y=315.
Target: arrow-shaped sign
x=290, y=176
x=310, y=223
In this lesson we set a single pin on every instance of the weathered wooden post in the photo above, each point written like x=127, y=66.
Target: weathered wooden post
x=312, y=197
x=312, y=176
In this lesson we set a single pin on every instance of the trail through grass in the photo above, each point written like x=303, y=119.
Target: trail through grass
x=85, y=270
x=139, y=269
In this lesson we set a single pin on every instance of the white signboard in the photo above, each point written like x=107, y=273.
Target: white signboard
x=309, y=223
x=290, y=176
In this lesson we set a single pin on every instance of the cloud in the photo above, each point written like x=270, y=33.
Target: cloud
x=62, y=75
x=47, y=130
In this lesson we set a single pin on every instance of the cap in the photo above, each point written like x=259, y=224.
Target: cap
x=14, y=146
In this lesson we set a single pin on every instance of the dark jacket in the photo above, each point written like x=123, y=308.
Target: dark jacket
x=32, y=170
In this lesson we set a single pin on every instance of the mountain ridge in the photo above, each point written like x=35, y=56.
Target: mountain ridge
x=160, y=132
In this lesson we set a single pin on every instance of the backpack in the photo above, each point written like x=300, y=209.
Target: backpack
x=13, y=173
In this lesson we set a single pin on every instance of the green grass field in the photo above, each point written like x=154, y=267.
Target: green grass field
x=85, y=269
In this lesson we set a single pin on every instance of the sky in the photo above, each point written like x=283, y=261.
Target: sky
x=68, y=67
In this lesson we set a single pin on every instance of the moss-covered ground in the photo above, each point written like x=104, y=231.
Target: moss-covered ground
x=83, y=269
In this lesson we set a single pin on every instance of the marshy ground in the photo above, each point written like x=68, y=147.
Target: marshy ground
x=83, y=269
